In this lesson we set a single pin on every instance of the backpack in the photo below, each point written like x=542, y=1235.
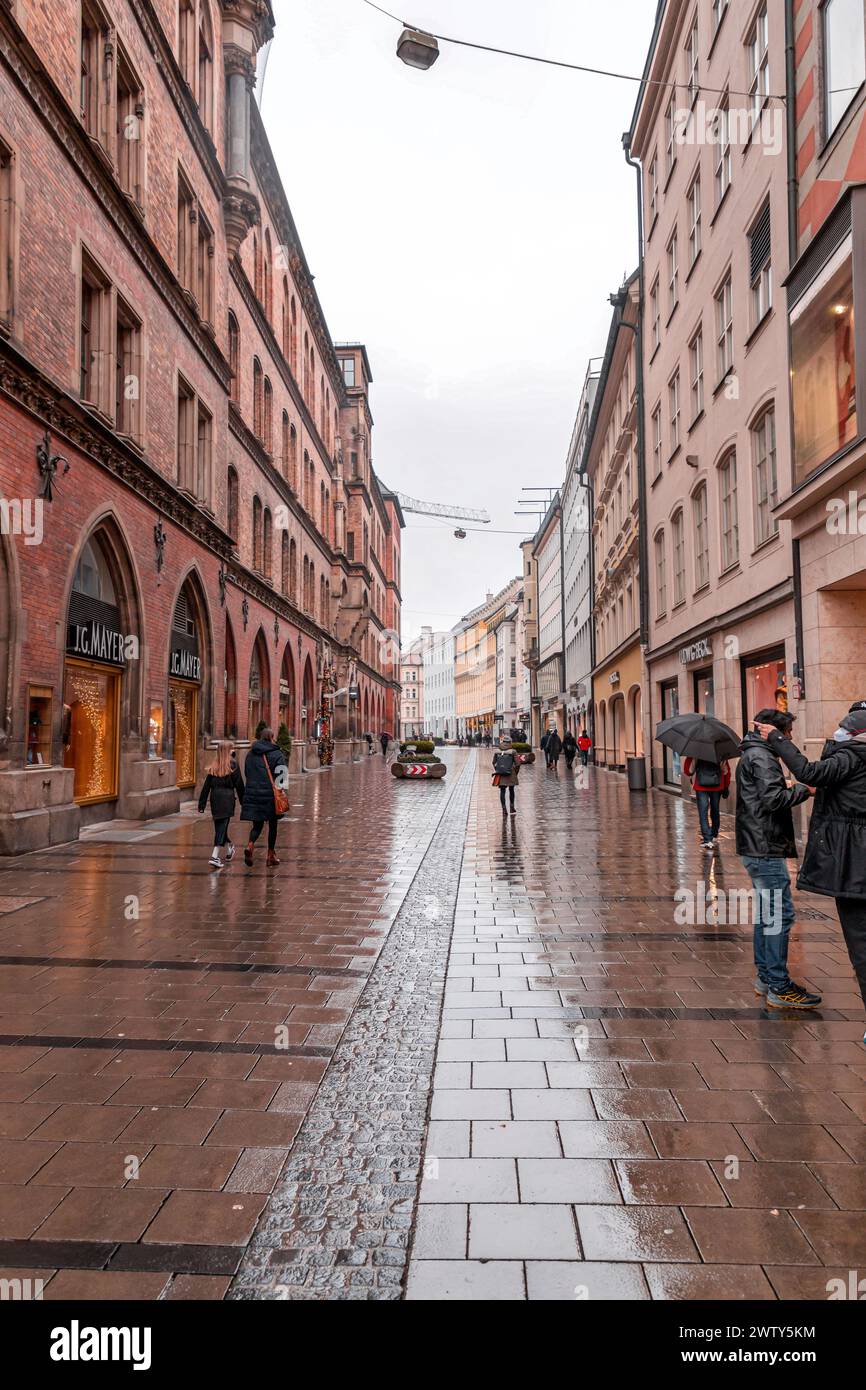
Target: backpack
x=708, y=775
x=503, y=764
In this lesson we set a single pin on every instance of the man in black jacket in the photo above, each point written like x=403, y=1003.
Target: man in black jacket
x=765, y=839
x=835, y=860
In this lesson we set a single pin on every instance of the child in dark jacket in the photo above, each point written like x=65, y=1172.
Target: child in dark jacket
x=222, y=783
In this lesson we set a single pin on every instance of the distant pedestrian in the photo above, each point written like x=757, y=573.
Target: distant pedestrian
x=223, y=783
x=765, y=839
x=262, y=798
x=554, y=749
x=384, y=739
x=584, y=745
x=545, y=739
x=569, y=748
x=710, y=782
x=369, y=737
x=506, y=770
x=835, y=859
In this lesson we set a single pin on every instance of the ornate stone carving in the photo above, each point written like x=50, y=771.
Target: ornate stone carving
x=255, y=15
x=240, y=214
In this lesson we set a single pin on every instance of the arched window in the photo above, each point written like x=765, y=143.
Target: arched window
x=305, y=587
x=232, y=503
x=328, y=516
x=678, y=536
x=257, y=534
x=326, y=422
x=293, y=571
x=322, y=425
x=661, y=577
x=258, y=398
x=268, y=417
x=728, y=510
x=205, y=66
x=284, y=445
x=312, y=401
x=702, y=537
x=293, y=338
x=327, y=617
x=268, y=545
x=284, y=563
x=293, y=457
x=306, y=481
x=234, y=358
x=307, y=367
x=285, y=326
x=766, y=479
x=268, y=278
x=322, y=614
x=311, y=594
x=323, y=516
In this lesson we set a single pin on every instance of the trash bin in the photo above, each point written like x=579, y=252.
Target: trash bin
x=636, y=770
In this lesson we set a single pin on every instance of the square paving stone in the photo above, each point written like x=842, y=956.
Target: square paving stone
x=773, y=1185
x=554, y=1281
x=441, y=1232
x=471, y=1180
x=718, y=1105
x=585, y=1074
x=23, y=1209
x=472, y=1050
x=515, y=1139
x=206, y=1218
x=448, y=1139
x=694, y=1139
x=605, y=1139
x=802, y=1142
x=94, y=1213
x=753, y=1237
x=99, y=1285
x=702, y=1283
x=634, y=1233
x=845, y=1183
x=574, y=1180
x=614, y=1104
x=668, y=1182
x=470, y=1105
x=532, y=1230
x=463, y=1281
x=836, y=1236
x=508, y=1075
x=187, y=1166
x=556, y=1104
x=540, y=1050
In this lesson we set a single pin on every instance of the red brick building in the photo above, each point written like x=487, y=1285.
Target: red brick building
x=827, y=309
x=193, y=535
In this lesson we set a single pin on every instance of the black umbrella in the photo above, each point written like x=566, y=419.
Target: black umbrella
x=699, y=736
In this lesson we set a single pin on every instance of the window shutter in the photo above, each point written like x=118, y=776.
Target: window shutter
x=760, y=243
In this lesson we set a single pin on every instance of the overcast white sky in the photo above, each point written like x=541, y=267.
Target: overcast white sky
x=467, y=224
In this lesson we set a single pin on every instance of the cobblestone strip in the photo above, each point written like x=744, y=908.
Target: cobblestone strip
x=338, y=1224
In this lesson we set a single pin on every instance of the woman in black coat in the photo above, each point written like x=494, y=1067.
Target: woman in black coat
x=222, y=784
x=835, y=859
x=553, y=749
x=265, y=763
x=569, y=748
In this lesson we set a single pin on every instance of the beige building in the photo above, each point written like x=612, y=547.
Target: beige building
x=721, y=632
x=412, y=689
x=610, y=465
x=475, y=661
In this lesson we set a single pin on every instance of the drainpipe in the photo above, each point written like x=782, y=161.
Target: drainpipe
x=643, y=549
x=793, y=255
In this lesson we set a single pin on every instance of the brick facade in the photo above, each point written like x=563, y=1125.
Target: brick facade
x=114, y=288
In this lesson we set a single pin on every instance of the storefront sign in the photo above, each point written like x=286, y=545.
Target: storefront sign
x=614, y=677
x=702, y=650
x=95, y=641
x=186, y=666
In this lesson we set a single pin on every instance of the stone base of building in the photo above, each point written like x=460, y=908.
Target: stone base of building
x=37, y=809
x=151, y=790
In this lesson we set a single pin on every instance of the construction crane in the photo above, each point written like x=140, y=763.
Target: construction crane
x=412, y=504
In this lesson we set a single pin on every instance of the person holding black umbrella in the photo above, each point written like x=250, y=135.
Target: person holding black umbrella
x=765, y=839
x=834, y=863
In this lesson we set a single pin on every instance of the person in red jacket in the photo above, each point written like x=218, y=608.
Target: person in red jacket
x=584, y=744
x=710, y=782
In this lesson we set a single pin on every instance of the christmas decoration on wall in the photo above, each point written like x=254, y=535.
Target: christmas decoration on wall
x=324, y=720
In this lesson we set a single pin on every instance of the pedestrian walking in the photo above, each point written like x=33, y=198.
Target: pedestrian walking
x=223, y=784
x=710, y=782
x=554, y=749
x=264, y=801
x=834, y=862
x=545, y=739
x=369, y=738
x=765, y=839
x=584, y=744
x=569, y=748
x=384, y=739
x=506, y=770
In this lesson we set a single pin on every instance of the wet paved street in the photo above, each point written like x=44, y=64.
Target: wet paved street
x=222, y=1084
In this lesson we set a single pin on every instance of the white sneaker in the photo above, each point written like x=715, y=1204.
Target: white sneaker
x=230, y=851
x=215, y=861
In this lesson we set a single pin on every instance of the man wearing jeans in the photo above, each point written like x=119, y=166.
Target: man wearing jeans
x=765, y=839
